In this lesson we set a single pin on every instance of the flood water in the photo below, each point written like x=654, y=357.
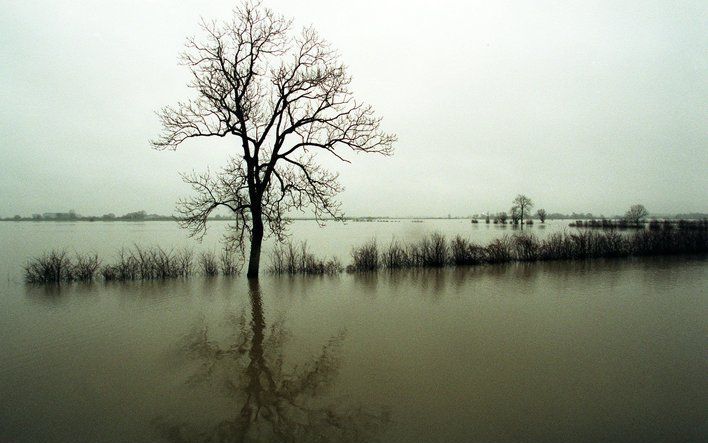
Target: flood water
x=602, y=350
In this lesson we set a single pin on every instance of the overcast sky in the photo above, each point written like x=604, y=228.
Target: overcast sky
x=583, y=106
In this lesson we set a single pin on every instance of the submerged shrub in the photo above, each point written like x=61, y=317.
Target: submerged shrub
x=526, y=247
x=434, y=250
x=394, y=256
x=140, y=263
x=51, y=267
x=208, y=264
x=365, y=257
x=499, y=250
x=86, y=267
x=184, y=259
x=57, y=266
x=228, y=263
x=288, y=259
x=464, y=252
x=126, y=268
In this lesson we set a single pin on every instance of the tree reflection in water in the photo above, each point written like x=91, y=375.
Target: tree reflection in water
x=274, y=401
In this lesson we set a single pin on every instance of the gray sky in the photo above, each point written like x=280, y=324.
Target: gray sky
x=584, y=106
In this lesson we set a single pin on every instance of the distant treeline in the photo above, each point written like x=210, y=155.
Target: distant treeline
x=132, y=216
x=73, y=216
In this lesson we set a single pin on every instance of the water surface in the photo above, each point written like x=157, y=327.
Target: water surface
x=603, y=350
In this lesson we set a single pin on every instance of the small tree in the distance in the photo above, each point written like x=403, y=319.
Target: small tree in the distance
x=541, y=215
x=523, y=205
x=515, y=215
x=635, y=214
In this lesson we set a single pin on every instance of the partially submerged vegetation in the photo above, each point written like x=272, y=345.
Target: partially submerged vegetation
x=432, y=251
x=136, y=263
x=149, y=264
x=59, y=266
x=290, y=259
x=654, y=224
x=436, y=251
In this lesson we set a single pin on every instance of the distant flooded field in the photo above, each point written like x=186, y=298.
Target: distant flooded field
x=600, y=350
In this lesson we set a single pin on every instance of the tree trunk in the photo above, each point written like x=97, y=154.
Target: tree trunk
x=254, y=260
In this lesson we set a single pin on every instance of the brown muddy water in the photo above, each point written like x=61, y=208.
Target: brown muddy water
x=603, y=350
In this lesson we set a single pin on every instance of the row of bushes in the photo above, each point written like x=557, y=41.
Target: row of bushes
x=436, y=251
x=431, y=251
x=132, y=264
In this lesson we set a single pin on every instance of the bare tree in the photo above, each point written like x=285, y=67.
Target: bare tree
x=541, y=215
x=523, y=205
x=284, y=97
x=635, y=214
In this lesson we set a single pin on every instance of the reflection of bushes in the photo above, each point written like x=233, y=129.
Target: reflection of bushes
x=273, y=401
